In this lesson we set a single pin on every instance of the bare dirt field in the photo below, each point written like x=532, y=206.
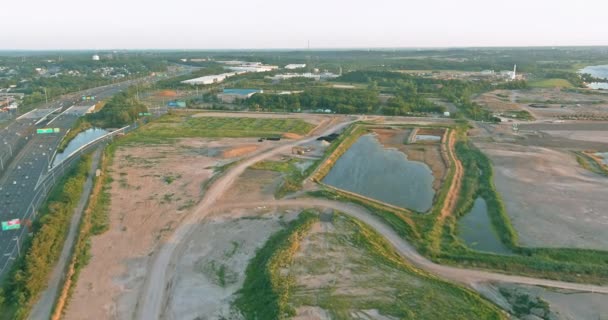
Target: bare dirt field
x=253, y=185
x=551, y=200
x=153, y=188
x=545, y=103
x=428, y=153
x=562, y=304
x=212, y=266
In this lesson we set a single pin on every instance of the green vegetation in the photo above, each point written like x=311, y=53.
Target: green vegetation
x=337, y=149
x=30, y=273
x=184, y=125
x=551, y=83
x=523, y=304
x=383, y=280
x=590, y=164
x=120, y=110
x=266, y=289
x=336, y=100
x=79, y=126
x=292, y=175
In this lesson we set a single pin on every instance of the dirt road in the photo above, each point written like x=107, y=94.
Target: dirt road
x=465, y=276
x=160, y=273
x=149, y=304
x=42, y=309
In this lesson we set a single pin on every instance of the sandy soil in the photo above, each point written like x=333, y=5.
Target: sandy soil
x=551, y=200
x=153, y=187
x=212, y=267
x=239, y=151
x=563, y=304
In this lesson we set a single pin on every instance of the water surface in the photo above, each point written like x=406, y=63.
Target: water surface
x=604, y=156
x=598, y=72
x=475, y=228
x=369, y=169
x=80, y=140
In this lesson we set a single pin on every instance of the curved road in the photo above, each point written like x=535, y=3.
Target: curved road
x=152, y=299
x=150, y=303
x=468, y=277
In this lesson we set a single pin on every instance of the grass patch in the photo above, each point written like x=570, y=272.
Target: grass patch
x=266, y=289
x=183, y=125
x=551, y=83
x=382, y=280
x=590, y=164
x=292, y=175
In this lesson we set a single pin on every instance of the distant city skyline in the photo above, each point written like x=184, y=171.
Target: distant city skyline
x=274, y=24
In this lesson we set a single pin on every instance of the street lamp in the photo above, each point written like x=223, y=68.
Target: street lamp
x=18, y=248
x=10, y=149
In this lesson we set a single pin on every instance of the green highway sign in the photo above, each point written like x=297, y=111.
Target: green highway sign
x=145, y=114
x=47, y=130
x=11, y=224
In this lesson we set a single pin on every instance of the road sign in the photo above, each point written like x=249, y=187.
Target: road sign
x=145, y=114
x=11, y=224
x=47, y=130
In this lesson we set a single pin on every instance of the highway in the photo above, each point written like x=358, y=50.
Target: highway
x=26, y=156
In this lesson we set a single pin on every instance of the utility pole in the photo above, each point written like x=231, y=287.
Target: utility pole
x=46, y=97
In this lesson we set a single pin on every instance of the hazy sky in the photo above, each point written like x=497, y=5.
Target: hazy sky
x=203, y=24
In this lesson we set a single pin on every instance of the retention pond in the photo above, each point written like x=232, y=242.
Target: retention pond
x=371, y=170
x=475, y=228
x=80, y=140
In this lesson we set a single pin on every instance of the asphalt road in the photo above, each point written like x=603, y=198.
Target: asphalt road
x=29, y=155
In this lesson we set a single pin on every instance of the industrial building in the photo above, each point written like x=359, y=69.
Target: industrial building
x=315, y=76
x=295, y=66
x=232, y=95
x=217, y=78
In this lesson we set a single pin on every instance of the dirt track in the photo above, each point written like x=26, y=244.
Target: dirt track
x=464, y=276
x=149, y=305
x=160, y=275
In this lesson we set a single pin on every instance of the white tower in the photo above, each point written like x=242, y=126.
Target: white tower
x=513, y=76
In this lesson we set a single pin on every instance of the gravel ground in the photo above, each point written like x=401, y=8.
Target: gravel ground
x=551, y=200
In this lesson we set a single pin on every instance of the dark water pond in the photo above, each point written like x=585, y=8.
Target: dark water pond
x=369, y=169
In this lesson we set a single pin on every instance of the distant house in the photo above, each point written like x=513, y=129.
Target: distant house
x=231, y=95
x=176, y=104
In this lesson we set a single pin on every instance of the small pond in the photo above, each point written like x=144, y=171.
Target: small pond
x=371, y=170
x=80, y=140
x=427, y=137
x=475, y=228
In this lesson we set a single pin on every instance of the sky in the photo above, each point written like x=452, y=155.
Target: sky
x=272, y=24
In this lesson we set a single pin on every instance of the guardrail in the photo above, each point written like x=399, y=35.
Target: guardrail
x=86, y=146
x=46, y=184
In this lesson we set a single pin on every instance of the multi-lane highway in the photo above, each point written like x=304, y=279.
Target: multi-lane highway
x=26, y=156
